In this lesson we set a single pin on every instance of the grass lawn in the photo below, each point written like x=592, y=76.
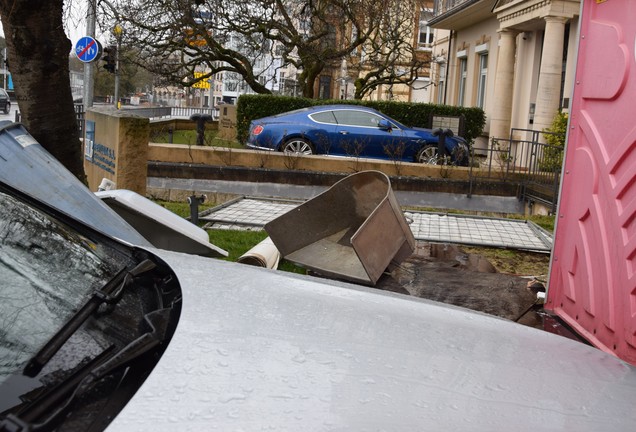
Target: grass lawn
x=235, y=242
x=189, y=137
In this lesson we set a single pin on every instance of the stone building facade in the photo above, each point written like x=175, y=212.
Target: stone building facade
x=513, y=58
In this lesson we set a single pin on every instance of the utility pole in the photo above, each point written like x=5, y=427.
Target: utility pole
x=117, y=30
x=87, y=96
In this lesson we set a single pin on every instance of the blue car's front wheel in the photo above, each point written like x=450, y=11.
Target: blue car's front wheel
x=298, y=146
x=428, y=155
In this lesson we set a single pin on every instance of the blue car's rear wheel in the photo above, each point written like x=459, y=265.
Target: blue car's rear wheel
x=298, y=146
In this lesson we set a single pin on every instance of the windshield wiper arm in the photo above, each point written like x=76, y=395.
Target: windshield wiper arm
x=109, y=293
x=23, y=417
x=26, y=418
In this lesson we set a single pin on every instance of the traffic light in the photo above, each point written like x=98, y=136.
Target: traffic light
x=110, y=58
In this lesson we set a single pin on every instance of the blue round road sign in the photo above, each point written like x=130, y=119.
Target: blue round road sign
x=88, y=49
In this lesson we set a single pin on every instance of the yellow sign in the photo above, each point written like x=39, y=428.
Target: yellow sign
x=193, y=39
x=203, y=84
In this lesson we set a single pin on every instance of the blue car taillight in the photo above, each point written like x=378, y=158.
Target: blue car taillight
x=257, y=130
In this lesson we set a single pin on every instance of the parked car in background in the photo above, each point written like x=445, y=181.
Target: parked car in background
x=350, y=130
x=5, y=101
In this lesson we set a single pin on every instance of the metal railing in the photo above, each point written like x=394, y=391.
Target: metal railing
x=186, y=112
x=79, y=115
x=149, y=112
x=174, y=112
x=530, y=165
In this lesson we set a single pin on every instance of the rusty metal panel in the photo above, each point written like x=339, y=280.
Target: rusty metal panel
x=593, y=272
x=354, y=230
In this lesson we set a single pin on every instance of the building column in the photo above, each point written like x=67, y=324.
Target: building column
x=504, y=81
x=549, y=87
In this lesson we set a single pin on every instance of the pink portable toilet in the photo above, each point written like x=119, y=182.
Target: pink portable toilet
x=592, y=283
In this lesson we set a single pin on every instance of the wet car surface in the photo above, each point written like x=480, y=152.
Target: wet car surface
x=83, y=319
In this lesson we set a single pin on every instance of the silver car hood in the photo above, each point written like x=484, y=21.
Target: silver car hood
x=257, y=349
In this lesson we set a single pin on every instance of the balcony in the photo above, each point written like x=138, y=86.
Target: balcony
x=459, y=14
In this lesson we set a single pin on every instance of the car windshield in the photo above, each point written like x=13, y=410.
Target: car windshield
x=47, y=270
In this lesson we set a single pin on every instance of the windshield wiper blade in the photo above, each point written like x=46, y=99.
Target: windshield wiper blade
x=28, y=412
x=109, y=293
x=27, y=419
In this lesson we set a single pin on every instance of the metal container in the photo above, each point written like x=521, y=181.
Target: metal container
x=355, y=230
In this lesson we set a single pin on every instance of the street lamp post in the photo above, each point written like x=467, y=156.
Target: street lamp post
x=117, y=31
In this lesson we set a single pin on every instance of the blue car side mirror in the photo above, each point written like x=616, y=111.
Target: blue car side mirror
x=384, y=125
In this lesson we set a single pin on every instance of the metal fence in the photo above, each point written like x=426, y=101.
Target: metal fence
x=79, y=115
x=149, y=112
x=530, y=165
x=186, y=112
x=172, y=112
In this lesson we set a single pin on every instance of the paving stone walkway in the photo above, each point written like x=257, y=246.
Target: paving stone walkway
x=253, y=213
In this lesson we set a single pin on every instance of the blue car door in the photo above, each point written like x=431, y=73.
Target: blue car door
x=359, y=134
x=325, y=132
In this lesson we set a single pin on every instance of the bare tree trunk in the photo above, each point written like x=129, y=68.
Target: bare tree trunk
x=309, y=75
x=38, y=52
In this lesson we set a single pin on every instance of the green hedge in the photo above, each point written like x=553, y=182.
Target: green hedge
x=251, y=107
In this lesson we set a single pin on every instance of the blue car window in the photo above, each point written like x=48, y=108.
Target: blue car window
x=357, y=118
x=323, y=117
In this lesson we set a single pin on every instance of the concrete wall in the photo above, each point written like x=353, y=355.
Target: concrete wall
x=276, y=160
x=116, y=148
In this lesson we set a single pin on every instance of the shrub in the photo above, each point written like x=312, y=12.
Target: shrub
x=555, y=138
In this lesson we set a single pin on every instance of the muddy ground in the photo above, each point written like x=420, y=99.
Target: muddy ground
x=493, y=281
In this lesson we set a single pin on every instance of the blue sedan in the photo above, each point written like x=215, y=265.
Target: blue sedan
x=349, y=130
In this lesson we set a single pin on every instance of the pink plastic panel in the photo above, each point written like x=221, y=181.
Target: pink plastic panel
x=593, y=275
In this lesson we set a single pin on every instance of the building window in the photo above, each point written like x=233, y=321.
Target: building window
x=481, y=81
x=425, y=40
x=441, y=85
x=461, y=94
x=324, y=90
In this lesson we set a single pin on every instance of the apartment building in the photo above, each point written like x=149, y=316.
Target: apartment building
x=405, y=32
x=513, y=58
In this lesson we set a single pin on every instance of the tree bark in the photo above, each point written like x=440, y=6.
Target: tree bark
x=38, y=53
